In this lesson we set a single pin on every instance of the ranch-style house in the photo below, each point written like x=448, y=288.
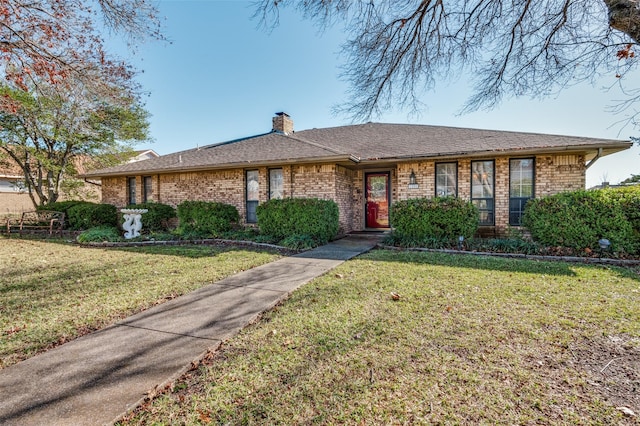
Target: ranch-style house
x=364, y=168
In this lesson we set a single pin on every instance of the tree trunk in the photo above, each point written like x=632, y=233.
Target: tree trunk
x=624, y=15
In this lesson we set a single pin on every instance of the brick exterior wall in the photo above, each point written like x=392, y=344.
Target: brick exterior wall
x=553, y=174
x=347, y=198
x=557, y=173
x=324, y=181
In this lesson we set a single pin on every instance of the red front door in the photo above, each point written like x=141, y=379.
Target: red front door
x=377, y=195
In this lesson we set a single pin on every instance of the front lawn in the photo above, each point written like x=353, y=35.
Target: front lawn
x=428, y=338
x=52, y=292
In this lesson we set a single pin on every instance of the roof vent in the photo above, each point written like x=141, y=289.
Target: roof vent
x=282, y=123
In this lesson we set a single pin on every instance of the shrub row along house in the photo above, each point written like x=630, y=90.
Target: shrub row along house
x=364, y=168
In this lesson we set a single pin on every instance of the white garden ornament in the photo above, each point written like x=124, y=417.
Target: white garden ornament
x=132, y=222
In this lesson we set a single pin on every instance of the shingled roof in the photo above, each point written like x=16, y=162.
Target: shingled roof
x=363, y=144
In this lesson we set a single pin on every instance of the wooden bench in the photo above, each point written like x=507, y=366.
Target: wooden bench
x=37, y=221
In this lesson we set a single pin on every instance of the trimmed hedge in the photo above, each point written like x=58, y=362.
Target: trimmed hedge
x=578, y=219
x=206, y=219
x=157, y=218
x=87, y=215
x=440, y=218
x=299, y=217
x=62, y=206
x=629, y=199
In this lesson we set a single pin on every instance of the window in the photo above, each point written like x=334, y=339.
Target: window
x=482, y=194
x=131, y=190
x=147, y=189
x=521, y=188
x=276, y=186
x=253, y=195
x=447, y=179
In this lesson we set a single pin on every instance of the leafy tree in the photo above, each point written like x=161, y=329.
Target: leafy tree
x=58, y=42
x=64, y=99
x=632, y=179
x=51, y=133
x=397, y=49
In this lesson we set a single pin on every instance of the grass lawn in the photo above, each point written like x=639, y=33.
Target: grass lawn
x=53, y=292
x=469, y=340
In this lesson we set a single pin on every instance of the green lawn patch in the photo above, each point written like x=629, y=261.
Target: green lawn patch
x=427, y=338
x=52, y=292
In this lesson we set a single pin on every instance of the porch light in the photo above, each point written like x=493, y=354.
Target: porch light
x=413, y=182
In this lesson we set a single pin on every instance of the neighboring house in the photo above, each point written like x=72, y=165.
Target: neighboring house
x=145, y=154
x=15, y=199
x=605, y=185
x=364, y=168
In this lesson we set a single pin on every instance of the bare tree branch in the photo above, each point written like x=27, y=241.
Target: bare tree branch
x=398, y=49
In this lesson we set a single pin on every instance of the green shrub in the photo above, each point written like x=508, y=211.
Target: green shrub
x=91, y=215
x=100, y=234
x=298, y=242
x=311, y=217
x=62, y=206
x=206, y=219
x=157, y=218
x=441, y=218
x=629, y=199
x=503, y=245
x=578, y=219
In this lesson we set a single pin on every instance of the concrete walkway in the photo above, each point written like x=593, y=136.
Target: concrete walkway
x=97, y=378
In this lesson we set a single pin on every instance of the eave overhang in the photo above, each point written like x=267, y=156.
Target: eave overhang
x=590, y=151
x=179, y=168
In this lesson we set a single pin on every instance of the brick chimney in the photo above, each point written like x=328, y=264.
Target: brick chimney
x=282, y=123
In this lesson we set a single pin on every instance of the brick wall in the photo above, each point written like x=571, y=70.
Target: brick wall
x=314, y=181
x=425, y=178
x=219, y=186
x=346, y=198
x=114, y=191
x=553, y=173
x=557, y=173
x=228, y=186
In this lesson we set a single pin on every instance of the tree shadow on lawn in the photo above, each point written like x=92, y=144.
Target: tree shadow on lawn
x=187, y=249
x=503, y=264
x=190, y=251
x=197, y=250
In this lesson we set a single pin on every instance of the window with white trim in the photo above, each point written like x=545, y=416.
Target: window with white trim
x=253, y=195
x=276, y=184
x=446, y=179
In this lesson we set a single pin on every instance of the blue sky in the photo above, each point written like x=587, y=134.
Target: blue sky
x=222, y=78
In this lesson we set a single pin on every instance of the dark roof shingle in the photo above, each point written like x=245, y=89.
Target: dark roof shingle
x=362, y=142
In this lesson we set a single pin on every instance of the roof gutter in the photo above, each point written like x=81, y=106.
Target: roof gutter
x=519, y=152
x=177, y=168
x=594, y=159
